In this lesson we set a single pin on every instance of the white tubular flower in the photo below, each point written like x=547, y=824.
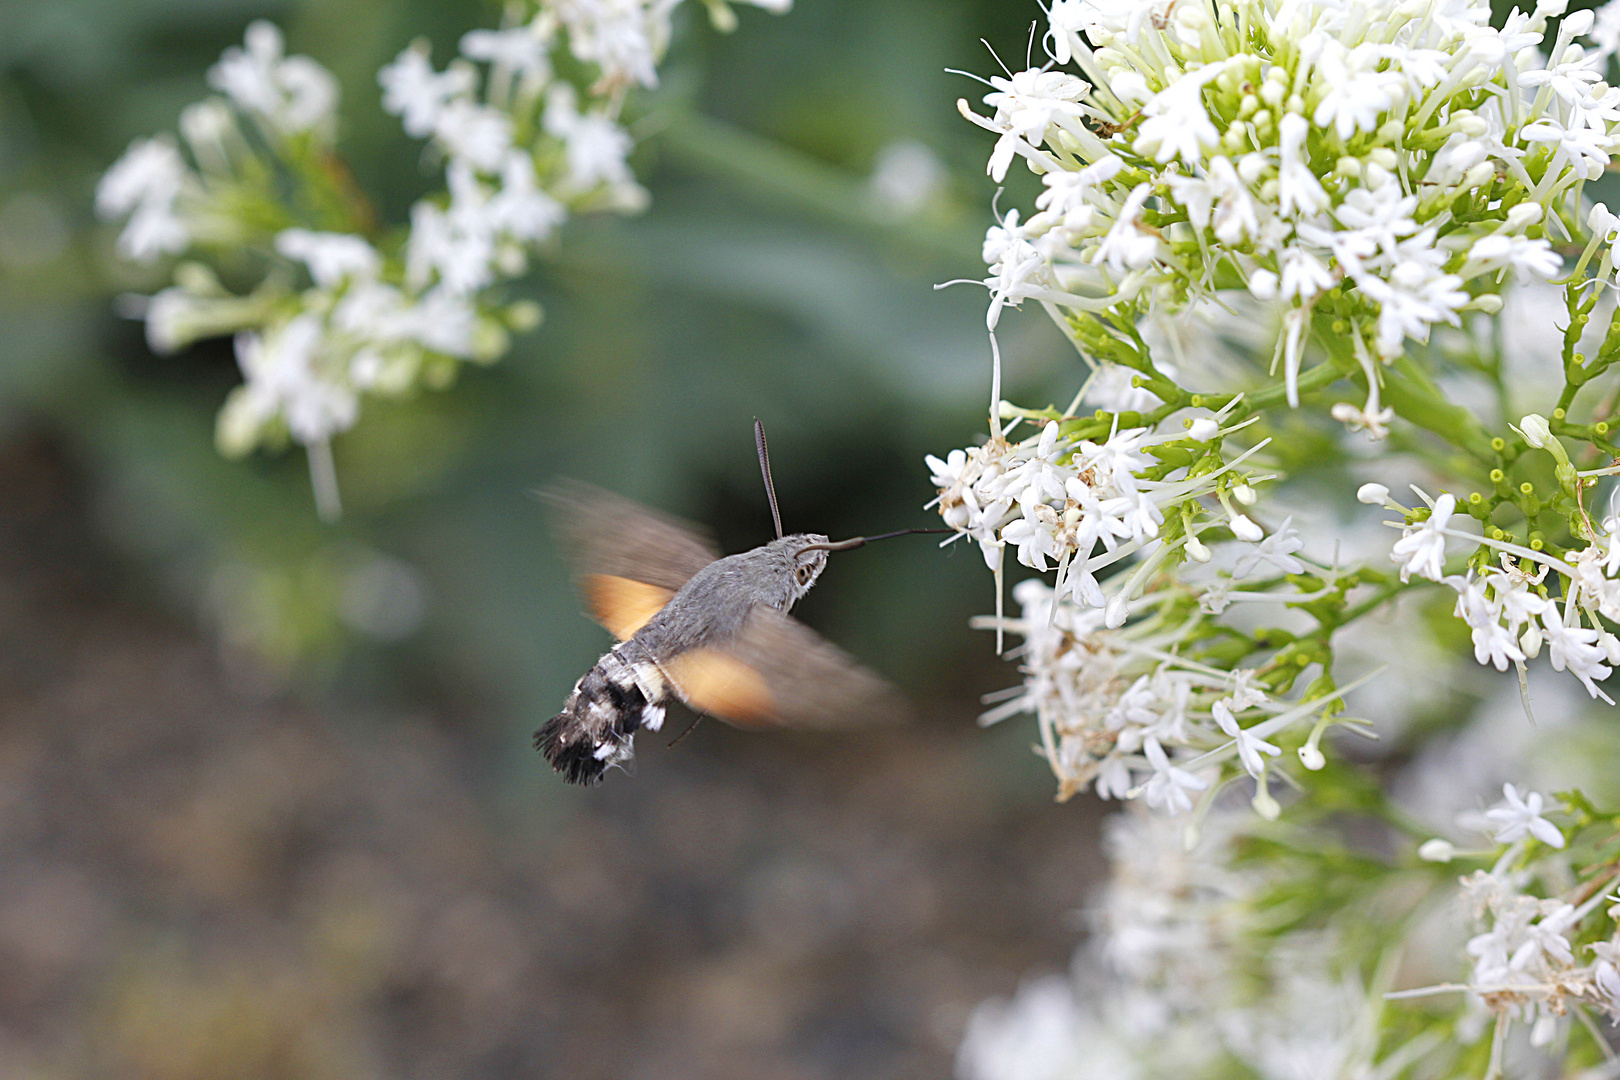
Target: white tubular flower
x=1421, y=549
x=597, y=146
x=285, y=380
x=417, y=94
x=476, y=134
x=145, y=184
x=289, y=94
x=1276, y=550
x=332, y=258
x=1168, y=788
x=624, y=38
x=519, y=49
x=1576, y=648
x=1176, y=124
x=1252, y=750
x=1518, y=816
x=1494, y=643
x=1028, y=105
x=1128, y=245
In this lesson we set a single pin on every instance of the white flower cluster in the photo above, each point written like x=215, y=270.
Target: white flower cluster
x=1121, y=712
x=1059, y=498
x=1168, y=987
x=522, y=149
x=1382, y=163
x=1525, y=965
x=1510, y=611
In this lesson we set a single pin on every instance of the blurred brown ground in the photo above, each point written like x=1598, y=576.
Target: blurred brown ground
x=199, y=882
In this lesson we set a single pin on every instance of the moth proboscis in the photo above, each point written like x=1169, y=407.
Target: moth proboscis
x=712, y=632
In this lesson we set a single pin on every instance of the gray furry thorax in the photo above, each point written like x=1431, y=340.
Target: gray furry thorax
x=713, y=605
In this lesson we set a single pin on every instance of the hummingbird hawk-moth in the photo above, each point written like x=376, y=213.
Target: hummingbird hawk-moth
x=709, y=631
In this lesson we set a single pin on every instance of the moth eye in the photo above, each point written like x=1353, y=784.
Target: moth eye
x=803, y=574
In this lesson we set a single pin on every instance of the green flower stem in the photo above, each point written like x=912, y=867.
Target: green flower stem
x=1414, y=397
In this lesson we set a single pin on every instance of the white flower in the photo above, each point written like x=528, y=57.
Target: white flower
x=1576, y=648
x=1355, y=94
x=1493, y=643
x=1518, y=816
x=1526, y=256
x=625, y=38
x=519, y=48
x=1252, y=749
x=292, y=94
x=1536, y=431
x=1018, y=269
x=1277, y=549
x=1421, y=549
x=1585, y=148
x=520, y=209
x=331, y=257
x=476, y=134
x=1128, y=245
x=145, y=182
x=1175, y=123
x=597, y=147
x=1027, y=104
x=1298, y=190
x=1168, y=787
x=417, y=94
x=282, y=378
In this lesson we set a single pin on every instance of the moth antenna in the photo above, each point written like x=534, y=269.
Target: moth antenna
x=765, y=470
x=861, y=541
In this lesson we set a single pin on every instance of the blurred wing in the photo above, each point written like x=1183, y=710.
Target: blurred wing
x=628, y=560
x=779, y=672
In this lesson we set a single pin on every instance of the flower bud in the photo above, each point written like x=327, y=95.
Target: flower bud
x=1372, y=494
x=1203, y=429
x=1245, y=494
x=1437, y=850
x=1479, y=175
x=1196, y=551
x=1536, y=430
x=1114, y=615
x=1310, y=756
x=1265, y=805
x=1530, y=641
x=1523, y=214
x=1244, y=529
x=1611, y=646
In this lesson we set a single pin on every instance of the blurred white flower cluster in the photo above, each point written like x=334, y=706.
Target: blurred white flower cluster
x=345, y=307
x=1204, y=962
x=1178, y=980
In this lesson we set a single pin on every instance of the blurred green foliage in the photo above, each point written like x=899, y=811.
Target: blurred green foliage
x=766, y=281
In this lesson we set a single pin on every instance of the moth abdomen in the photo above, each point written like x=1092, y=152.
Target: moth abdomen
x=596, y=728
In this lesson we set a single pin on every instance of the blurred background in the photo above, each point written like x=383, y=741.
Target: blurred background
x=268, y=806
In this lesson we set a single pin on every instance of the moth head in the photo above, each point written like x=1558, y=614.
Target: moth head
x=807, y=557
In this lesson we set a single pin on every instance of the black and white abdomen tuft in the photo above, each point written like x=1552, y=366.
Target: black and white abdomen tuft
x=597, y=726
